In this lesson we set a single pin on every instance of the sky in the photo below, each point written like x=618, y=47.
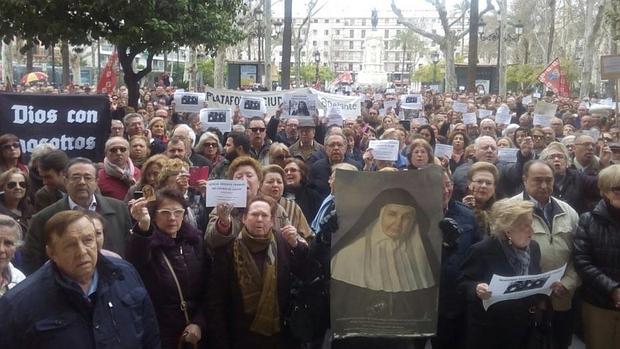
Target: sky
x=359, y=8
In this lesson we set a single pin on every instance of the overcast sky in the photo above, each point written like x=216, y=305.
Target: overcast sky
x=360, y=8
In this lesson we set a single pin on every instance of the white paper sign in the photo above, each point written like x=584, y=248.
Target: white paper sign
x=505, y=288
x=459, y=107
x=502, y=116
x=536, y=95
x=299, y=104
x=544, y=108
x=234, y=192
x=252, y=106
x=541, y=120
x=384, y=149
x=389, y=104
x=484, y=113
x=470, y=118
x=413, y=102
x=419, y=121
x=334, y=117
x=526, y=100
x=442, y=150
x=219, y=118
x=188, y=102
x=507, y=154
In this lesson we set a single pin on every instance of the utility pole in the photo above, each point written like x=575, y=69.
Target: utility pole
x=502, y=48
x=267, y=41
x=286, y=44
x=472, y=56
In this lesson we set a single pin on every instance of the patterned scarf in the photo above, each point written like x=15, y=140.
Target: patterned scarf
x=259, y=292
x=519, y=259
x=124, y=174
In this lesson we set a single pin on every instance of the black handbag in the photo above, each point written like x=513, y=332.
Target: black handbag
x=307, y=316
x=540, y=334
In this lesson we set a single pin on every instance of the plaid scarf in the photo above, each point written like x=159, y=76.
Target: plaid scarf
x=124, y=174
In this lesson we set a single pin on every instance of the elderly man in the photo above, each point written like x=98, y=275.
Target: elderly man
x=306, y=144
x=80, y=299
x=488, y=128
x=117, y=129
x=585, y=161
x=259, y=149
x=81, y=184
x=485, y=149
x=134, y=124
x=554, y=224
x=335, y=147
x=118, y=172
x=558, y=127
x=189, y=136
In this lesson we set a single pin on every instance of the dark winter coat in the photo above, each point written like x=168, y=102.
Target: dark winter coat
x=47, y=311
x=597, y=254
x=578, y=190
x=190, y=262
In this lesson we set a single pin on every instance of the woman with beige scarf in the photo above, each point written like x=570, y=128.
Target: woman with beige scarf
x=249, y=286
x=118, y=172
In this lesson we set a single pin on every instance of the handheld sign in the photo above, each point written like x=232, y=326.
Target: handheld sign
x=384, y=149
x=470, y=119
x=226, y=191
x=413, y=102
x=299, y=104
x=459, y=107
x=334, y=117
x=507, y=154
x=541, y=120
x=484, y=113
x=188, y=102
x=442, y=150
x=197, y=173
x=252, y=106
x=216, y=117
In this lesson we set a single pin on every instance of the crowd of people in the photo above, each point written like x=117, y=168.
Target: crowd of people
x=125, y=253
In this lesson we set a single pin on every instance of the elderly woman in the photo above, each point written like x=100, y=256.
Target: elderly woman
x=10, y=239
x=595, y=256
x=210, y=147
x=297, y=188
x=482, y=177
x=150, y=174
x=157, y=125
x=510, y=251
x=225, y=222
x=15, y=198
x=118, y=172
x=278, y=153
x=273, y=186
x=420, y=154
x=11, y=153
x=139, y=150
x=249, y=286
x=576, y=188
x=173, y=263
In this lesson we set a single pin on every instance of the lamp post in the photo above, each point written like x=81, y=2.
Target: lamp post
x=502, y=39
x=435, y=60
x=317, y=60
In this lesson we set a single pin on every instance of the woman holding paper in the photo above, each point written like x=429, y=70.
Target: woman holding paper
x=482, y=178
x=420, y=154
x=510, y=251
x=169, y=255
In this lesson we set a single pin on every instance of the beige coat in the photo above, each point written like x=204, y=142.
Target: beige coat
x=556, y=248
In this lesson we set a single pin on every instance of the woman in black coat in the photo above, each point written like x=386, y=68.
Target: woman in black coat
x=164, y=239
x=297, y=188
x=509, y=252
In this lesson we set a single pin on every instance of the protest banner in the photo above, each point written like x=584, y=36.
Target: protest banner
x=234, y=192
x=349, y=105
x=505, y=288
x=219, y=118
x=188, y=102
x=398, y=288
x=76, y=124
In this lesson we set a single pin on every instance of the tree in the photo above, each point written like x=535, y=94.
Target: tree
x=594, y=17
x=409, y=41
x=148, y=27
x=521, y=76
x=308, y=73
x=447, y=42
x=299, y=40
x=426, y=72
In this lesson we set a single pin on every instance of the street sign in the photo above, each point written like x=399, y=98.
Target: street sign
x=610, y=67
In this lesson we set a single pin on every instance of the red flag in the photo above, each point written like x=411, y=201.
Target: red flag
x=555, y=79
x=107, y=80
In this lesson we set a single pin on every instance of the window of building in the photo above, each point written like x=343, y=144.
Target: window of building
x=360, y=67
x=409, y=56
x=363, y=33
x=351, y=44
x=326, y=54
x=315, y=21
x=325, y=43
x=385, y=56
x=397, y=32
x=315, y=32
x=363, y=22
x=337, y=20
x=386, y=45
x=327, y=21
x=351, y=33
x=314, y=43
x=327, y=32
x=350, y=66
x=397, y=56
x=387, y=33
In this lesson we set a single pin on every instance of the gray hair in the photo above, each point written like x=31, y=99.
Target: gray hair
x=505, y=212
x=7, y=221
x=129, y=116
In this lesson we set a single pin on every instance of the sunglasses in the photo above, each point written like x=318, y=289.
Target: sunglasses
x=13, y=185
x=118, y=149
x=11, y=146
x=257, y=129
x=211, y=145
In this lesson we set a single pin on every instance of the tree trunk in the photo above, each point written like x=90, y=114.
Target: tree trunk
x=131, y=78
x=551, y=30
x=166, y=63
x=447, y=48
x=29, y=59
x=592, y=26
x=7, y=64
x=286, y=44
x=267, y=42
x=219, y=67
x=66, y=70
x=472, y=57
x=75, y=66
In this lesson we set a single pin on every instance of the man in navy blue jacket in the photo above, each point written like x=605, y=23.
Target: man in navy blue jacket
x=79, y=299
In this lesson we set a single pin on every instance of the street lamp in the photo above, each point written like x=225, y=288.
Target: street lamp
x=317, y=60
x=435, y=60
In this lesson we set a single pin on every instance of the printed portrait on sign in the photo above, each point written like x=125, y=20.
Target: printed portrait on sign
x=216, y=116
x=385, y=261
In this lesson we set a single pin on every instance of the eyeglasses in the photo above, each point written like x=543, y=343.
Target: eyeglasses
x=11, y=146
x=13, y=185
x=210, y=145
x=178, y=213
x=257, y=129
x=117, y=149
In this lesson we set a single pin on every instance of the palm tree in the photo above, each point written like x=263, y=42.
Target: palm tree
x=409, y=41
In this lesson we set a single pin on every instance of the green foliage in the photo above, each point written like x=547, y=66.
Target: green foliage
x=612, y=18
x=308, y=73
x=425, y=72
x=521, y=76
x=207, y=68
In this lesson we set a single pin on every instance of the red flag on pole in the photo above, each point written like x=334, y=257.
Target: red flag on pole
x=107, y=80
x=555, y=79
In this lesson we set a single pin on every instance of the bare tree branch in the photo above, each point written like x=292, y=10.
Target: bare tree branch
x=401, y=19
